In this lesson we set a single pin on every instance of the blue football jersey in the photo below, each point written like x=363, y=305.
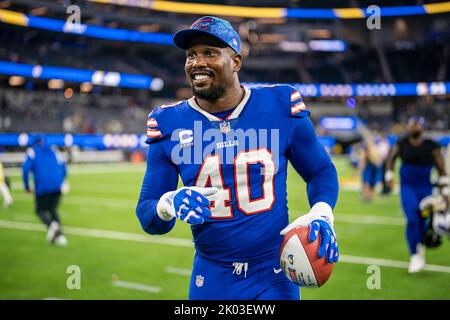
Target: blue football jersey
x=48, y=168
x=245, y=156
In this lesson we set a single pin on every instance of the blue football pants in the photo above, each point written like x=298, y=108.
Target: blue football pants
x=415, y=228
x=372, y=175
x=238, y=281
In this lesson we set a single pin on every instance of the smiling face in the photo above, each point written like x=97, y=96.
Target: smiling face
x=211, y=67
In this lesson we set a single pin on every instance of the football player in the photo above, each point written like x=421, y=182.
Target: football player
x=49, y=171
x=231, y=145
x=374, y=152
x=435, y=209
x=418, y=156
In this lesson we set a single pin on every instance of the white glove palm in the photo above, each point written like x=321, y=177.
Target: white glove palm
x=320, y=220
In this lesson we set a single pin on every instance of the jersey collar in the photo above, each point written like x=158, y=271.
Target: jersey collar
x=236, y=112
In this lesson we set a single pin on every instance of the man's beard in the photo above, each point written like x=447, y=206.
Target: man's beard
x=212, y=94
x=416, y=134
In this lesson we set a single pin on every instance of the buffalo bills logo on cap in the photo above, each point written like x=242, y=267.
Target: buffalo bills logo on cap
x=202, y=24
x=216, y=27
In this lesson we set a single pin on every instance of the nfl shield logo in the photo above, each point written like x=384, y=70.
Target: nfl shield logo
x=199, y=280
x=291, y=259
x=225, y=127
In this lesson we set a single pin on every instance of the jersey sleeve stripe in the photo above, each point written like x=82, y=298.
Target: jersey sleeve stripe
x=298, y=107
x=295, y=96
x=152, y=123
x=168, y=105
x=153, y=133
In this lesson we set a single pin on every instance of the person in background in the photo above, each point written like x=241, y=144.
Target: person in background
x=4, y=190
x=49, y=172
x=418, y=155
x=370, y=164
x=383, y=146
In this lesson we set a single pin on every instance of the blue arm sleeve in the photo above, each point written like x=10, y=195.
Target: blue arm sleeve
x=26, y=167
x=160, y=177
x=313, y=163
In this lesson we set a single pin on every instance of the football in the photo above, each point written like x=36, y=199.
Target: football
x=300, y=262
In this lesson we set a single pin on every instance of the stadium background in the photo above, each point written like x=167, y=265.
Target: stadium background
x=90, y=86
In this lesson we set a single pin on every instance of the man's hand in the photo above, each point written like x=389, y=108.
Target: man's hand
x=320, y=220
x=389, y=178
x=443, y=183
x=65, y=187
x=188, y=204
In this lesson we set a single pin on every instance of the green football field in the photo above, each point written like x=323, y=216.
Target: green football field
x=117, y=260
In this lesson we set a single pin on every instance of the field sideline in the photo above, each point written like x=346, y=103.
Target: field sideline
x=119, y=261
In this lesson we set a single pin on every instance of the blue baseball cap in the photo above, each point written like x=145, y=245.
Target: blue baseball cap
x=213, y=26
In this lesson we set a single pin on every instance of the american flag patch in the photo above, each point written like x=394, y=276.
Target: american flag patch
x=296, y=108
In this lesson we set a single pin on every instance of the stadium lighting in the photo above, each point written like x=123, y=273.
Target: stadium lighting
x=23, y=139
x=327, y=45
x=279, y=21
x=271, y=38
x=86, y=87
x=338, y=123
x=5, y=4
x=149, y=27
x=293, y=46
x=55, y=84
x=38, y=11
x=15, y=81
x=157, y=84
x=319, y=33
x=98, y=77
x=68, y=93
x=277, y=12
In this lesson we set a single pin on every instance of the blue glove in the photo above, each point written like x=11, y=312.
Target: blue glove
x=188, y=204
x=320, y=221
x=328, y=244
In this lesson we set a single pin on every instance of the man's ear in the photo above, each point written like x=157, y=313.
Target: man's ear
x=237, y=61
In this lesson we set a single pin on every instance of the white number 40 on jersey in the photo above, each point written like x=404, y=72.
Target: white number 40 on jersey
x=210, y=174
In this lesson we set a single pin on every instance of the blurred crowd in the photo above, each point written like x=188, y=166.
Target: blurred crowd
x=406, y=49
x=53, y=111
